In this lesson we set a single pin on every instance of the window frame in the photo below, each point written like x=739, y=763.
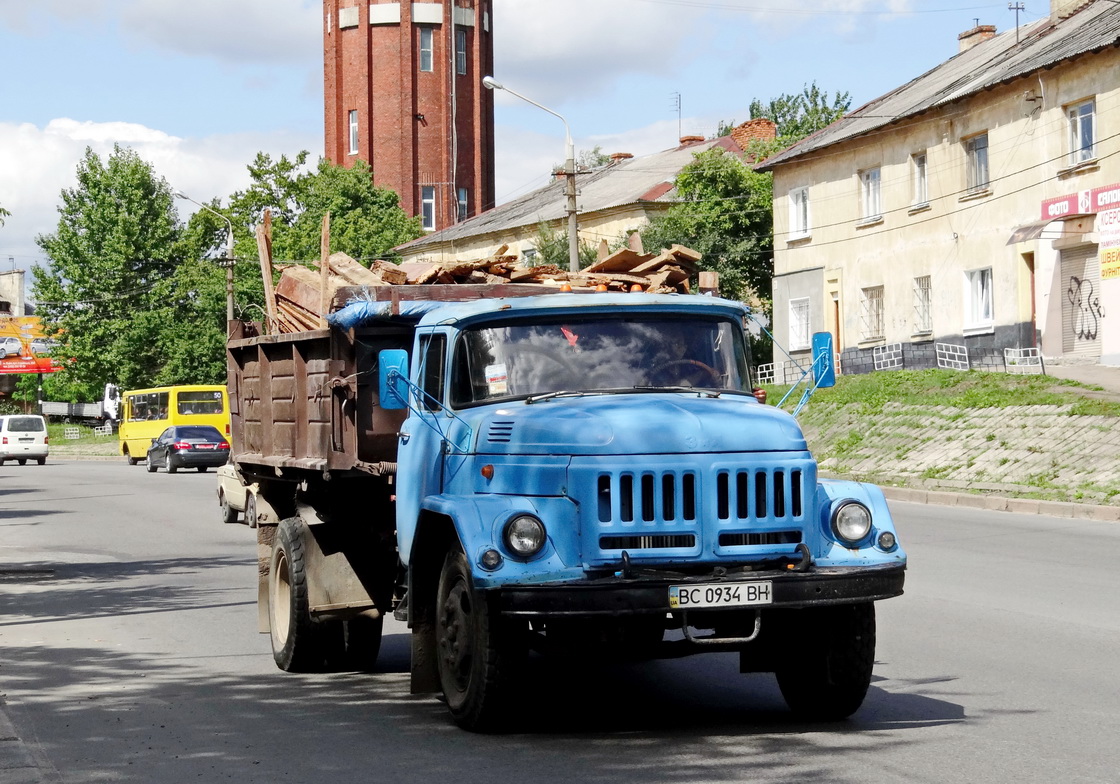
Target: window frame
x=463, y=203
x=872, y=313
x=353, y=121
x=919, y=175
x=428, y=207
x=460, y=51
x=799, y=225
x=799, y=324
x=870, y=191
x=923, y=305
x=977, y=163
x=1079, y=153
x=979, y=300
x=427, y=58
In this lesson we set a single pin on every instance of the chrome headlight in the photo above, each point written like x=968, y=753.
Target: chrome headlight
x=525, y=536
x=851, y=522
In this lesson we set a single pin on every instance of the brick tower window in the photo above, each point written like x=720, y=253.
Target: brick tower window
x=463, y=204
x=353, y=131
x=425, y=49
x=428, y=207
x=460, y=52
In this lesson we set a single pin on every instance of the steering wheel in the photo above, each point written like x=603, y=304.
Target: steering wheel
x=692, y=367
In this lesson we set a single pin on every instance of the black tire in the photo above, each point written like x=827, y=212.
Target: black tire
x=476, y=650
x=22, y=460
x=229, y=514
x=363, y=642
x=171, y=467
x=250, y=509
x=150, y=464
x=41, y=460
x=298, y=643
x=128, y=456
x=826, y=673
x=202, y=469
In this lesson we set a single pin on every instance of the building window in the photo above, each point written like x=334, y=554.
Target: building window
x=428, y=207
x=799, y=324
x=353, y=131
x=918, y=174
x=923, y=313
x=463, y=204
x=871, y=312
x=1080, y=132
x=869, y=194
x=978, y=299
x=799, y=212
x=976, y=152
x=460, y=52
x=425, y=48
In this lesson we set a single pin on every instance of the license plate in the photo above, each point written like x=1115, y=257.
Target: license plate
x=684, y=597
x=203, y=446
x=27, y=440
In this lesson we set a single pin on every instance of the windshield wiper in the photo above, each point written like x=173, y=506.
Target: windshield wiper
x=558, y=393
x=693, y=390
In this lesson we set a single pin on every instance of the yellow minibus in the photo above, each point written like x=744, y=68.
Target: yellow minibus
x=146, y=413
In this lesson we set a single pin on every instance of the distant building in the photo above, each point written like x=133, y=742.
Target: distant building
x=614, y=201
x=403, y=92
x=975, y=206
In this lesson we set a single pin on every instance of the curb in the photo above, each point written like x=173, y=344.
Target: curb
x=999, y=504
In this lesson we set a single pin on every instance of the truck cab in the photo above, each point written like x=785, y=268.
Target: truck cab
x=587, y=473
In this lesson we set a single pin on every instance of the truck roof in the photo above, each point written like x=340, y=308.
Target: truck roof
x=431, y=312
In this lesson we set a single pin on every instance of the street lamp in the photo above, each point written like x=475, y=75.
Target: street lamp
x=228, y=261
x=569, y=170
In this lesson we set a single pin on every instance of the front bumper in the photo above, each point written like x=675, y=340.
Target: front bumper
x=644, y=595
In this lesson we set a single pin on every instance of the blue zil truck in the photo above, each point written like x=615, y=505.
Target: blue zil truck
x=515, y=472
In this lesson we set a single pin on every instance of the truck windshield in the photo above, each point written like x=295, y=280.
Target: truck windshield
x=598, y=354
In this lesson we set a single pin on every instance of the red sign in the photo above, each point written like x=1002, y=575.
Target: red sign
x=24, y=348
x=1082, y=203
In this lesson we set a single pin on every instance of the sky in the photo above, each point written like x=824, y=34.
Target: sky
x=199, y=88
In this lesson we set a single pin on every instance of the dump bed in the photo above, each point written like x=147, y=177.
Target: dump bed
x=308, y=400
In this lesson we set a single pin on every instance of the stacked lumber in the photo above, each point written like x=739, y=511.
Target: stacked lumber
x=301, y=291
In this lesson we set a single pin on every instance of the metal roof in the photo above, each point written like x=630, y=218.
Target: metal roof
x=616, y=185
x=1002, y=59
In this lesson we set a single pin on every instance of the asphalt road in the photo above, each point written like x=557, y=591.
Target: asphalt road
x=128, y=652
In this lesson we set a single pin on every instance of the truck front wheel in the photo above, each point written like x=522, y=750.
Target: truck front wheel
x=297, y=641
x=476, y=650
x=825, y=674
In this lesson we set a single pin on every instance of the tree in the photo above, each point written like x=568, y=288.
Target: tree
x=797, y=116
x=551, y=246
x=4, y=214
x=367, y=222
x=111, y=257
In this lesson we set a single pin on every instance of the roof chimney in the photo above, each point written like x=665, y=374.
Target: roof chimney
x=759, y=128
x=687, y=141
x=1062, y=9
x=977, y=35
x=620, y=156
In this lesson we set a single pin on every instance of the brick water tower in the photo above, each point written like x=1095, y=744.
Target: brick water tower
x=403, y=92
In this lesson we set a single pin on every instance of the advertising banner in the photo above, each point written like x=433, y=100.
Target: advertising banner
x=1108, y=232
x=24, y=348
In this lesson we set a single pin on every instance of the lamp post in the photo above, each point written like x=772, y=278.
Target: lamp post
x=569, y=170
x=228, y=261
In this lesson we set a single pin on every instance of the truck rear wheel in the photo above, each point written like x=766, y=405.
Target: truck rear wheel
x=825, y=674
x=297, y=641
x=475, y=650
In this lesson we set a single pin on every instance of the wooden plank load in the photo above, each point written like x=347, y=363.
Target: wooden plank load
x=301, y=291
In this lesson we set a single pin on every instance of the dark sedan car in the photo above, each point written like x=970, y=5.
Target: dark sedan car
x=188, y=446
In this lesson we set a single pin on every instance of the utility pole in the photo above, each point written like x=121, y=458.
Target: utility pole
x=1016, y=7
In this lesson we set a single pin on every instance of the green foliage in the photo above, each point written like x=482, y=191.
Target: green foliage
x=367, y=222
x=797, y=116
x=115, y=249
x=724, y=213
x=4, y=214
x=552, y=248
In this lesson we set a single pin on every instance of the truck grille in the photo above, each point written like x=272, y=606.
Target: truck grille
x=670, y=510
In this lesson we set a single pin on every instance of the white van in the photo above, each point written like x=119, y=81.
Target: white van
x=23, y=437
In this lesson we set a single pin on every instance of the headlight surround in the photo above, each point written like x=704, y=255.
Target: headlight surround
x=524, y=535
x=851, y=522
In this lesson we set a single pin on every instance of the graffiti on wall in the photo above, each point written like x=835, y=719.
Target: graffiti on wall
x=1086, y=312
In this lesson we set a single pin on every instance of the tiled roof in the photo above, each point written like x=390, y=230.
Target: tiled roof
x=1002, y=59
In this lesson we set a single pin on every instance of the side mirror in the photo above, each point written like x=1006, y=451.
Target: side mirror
x=154, y=441
x=824, y=361
x=392, y=372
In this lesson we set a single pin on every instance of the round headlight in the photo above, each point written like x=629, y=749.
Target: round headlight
x=525, y=536
x=852, y=521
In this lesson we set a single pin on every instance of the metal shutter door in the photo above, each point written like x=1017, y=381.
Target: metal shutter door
x=1081, y=302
